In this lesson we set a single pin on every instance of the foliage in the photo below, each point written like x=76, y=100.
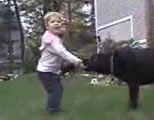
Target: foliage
x=31, y=57
x=32, y=13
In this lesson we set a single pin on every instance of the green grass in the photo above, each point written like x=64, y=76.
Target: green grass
x=24, y=98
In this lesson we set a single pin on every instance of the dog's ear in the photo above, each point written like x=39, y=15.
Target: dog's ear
x=123, y=43
x=109, y=46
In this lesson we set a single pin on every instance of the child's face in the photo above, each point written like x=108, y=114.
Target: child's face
x=54, y=26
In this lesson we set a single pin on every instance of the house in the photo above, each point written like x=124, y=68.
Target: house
x=10, y=46
x=125, y=19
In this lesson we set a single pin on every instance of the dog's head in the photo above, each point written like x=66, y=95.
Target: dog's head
x=98, y=63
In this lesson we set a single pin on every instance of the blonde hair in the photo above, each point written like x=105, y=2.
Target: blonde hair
x=52, y=15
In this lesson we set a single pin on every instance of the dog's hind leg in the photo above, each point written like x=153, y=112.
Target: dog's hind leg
x=133, y=95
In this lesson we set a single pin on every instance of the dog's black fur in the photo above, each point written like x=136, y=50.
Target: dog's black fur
x=67, y=67
x=133, y=65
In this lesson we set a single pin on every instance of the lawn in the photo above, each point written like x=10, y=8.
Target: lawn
x=23, y=99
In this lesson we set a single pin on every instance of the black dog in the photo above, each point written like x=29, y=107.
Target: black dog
x=133, y=65
x=67, y=67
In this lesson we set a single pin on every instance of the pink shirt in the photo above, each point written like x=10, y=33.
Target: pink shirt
x=53, y=53
x=47, y=38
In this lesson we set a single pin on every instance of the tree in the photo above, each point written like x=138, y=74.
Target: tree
x=21, y=30
x=32, y=13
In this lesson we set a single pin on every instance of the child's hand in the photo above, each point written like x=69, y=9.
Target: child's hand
x=81, y=65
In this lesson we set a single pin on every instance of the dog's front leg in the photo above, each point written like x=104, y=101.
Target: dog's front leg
x=133, y=95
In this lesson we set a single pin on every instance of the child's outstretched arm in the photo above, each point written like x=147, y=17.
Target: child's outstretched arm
x=59, y=49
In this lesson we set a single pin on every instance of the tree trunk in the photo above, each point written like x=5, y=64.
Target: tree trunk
x=10, y=45
x=70, y=19
x=21, y=30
